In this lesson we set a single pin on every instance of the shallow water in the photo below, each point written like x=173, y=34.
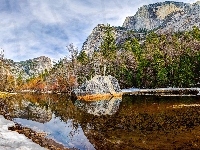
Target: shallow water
x=133, y=122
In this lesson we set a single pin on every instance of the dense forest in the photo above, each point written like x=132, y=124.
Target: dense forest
x=170, y=60
x=161, y=60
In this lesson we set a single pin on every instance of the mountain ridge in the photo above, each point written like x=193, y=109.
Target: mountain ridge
x=28, y=68
x=153, y=15
x=160, y=17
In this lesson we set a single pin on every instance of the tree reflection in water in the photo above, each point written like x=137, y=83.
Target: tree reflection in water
x=136, y=122
x=54, y=114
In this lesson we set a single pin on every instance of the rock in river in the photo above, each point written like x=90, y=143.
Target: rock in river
x=99, y=86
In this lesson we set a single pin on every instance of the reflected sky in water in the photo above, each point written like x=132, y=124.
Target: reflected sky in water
x=63, y=132
x=32, y=113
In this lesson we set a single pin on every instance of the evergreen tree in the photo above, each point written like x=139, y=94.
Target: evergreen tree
x=108, y=46
x=83, y=58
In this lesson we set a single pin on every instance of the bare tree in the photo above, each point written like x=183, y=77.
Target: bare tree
x=73, y=52
x=2, y=70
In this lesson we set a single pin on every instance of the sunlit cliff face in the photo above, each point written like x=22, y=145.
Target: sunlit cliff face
x=154, y=15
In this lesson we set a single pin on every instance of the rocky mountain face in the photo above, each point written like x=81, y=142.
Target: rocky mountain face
x=28, y=68
x=165, y=17
x=162, y=17
x=94, y=40
x=154, y=15
x=183, y=20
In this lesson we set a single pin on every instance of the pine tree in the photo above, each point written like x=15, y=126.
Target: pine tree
x=83, y=58
x=108, y=46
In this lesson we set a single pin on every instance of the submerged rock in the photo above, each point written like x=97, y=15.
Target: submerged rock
x=99, y=85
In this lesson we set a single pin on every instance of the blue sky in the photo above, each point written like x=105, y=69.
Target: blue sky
x=33, y=28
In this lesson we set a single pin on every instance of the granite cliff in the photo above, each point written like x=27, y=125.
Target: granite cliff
x=94, y=40
x=161, y=17
x=183, y=20
x=154, y=15
x=165, y=17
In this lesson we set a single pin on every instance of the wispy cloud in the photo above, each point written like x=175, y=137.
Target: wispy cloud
x=33, y=28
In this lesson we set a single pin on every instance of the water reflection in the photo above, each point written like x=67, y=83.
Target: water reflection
x=62, y=132
x=135, y=122
x=31, y=111
x=100, y=107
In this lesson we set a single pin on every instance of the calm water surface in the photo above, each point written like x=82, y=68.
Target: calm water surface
x=133, y=122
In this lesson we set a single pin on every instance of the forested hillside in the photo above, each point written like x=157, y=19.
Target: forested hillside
x=165, y=60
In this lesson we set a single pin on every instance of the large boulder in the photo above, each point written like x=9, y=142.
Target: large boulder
x=99, y=85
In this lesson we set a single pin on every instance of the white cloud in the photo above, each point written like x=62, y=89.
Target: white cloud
x=32, y=28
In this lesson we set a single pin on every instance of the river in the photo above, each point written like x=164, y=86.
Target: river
x=133, y=122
